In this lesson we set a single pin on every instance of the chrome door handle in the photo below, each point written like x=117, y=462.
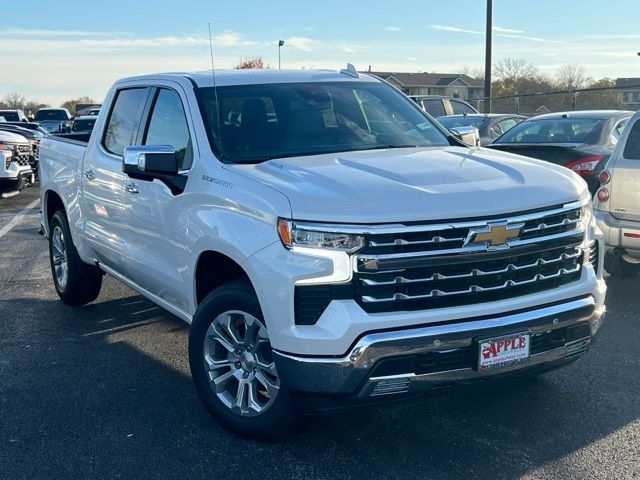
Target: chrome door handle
x=132, y=188
x=89, y=175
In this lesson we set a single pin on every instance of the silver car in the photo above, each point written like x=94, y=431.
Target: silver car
x=617, y=203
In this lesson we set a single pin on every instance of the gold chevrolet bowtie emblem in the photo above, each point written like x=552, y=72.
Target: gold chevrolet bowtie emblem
x=496, y=235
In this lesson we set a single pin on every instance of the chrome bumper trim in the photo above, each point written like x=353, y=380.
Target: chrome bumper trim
x=347, y=374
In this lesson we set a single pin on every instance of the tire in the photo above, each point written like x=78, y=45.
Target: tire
x=618, y=267
x=76, y=282
x=228, y=342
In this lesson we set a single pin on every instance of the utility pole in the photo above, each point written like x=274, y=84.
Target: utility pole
x=280, y=44
x=487, y=58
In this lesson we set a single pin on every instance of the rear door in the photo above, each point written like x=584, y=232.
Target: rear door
x=103, y=180
x=625, y=175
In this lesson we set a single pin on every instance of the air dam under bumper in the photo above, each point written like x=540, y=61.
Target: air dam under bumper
x=417, y=360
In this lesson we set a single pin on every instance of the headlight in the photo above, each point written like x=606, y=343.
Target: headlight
x=586, y=212
x=311, y=236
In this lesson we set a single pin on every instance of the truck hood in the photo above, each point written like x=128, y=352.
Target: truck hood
x=405, y=185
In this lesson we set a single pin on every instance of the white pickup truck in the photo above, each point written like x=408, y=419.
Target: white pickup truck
x=330, y=244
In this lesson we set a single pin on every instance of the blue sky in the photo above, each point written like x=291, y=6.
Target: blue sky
x=67, y=48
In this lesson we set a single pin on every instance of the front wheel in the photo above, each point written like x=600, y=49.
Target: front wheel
x=232, y=364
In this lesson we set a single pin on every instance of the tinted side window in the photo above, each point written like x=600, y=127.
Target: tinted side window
x=618, y=129
x=632, y=148
x=168, y=126
x=460, y=108
x=507, y=124
x=434, y=107
x=124, y=120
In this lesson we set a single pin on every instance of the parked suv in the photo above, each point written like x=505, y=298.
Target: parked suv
x=617, y=203
x=15, y=169
x=439, y=106
x=329, y=243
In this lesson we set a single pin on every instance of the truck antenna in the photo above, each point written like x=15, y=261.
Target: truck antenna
x=215, y=87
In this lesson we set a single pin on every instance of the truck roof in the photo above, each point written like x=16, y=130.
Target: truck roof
x=256, y=76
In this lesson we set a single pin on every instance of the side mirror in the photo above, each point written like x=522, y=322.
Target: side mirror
x=147, y=162
x=467, y=135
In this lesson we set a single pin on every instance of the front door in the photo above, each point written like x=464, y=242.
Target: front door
x=155, y=256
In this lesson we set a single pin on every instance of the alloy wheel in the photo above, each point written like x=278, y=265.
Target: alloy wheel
x=239, y=363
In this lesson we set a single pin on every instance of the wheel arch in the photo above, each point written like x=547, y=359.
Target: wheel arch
x=52, y=203
x=213, y=269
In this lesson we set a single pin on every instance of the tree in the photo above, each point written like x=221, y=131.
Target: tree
x=251, y=62
x=600, y=100
x=572, y=77
x=15, y=100
x=510, y=70
x=31, y=107
x=71, y=104
x=476, y=73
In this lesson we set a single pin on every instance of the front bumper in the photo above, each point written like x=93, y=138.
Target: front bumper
x=410, y=361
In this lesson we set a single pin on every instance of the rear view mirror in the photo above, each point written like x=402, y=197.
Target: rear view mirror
x=467, y=135
x=147, y=162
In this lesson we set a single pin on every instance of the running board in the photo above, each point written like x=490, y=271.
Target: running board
x=145, y=293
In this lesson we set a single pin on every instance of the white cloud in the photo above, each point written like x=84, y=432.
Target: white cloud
x=412, y=59
x=531, y=39
x=392, y=29
x=146, y=42
x=449, y=28
x=348, y=49
x=501, y=33
x=39, y=32
x=230, y=39
x=301, y=43
x=506, y=30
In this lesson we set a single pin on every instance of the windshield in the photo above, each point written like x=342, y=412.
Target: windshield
x=560, y=130
x=44, y=115
x=9, y=116
x=260, y=122
x=83, y=125
x=466, y=121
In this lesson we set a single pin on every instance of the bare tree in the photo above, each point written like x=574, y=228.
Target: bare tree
x=511, y=70
x=473, y=72
x=571, y=77
x=251, y=62
x=15, y=100
x=31, y=107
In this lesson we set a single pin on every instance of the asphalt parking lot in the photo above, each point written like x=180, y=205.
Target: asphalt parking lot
x=104, y=391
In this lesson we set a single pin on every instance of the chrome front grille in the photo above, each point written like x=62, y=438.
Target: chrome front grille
x=434, y=266
x=21, y=154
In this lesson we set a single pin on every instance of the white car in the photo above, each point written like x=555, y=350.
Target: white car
x=329, y=243
x=617, y=204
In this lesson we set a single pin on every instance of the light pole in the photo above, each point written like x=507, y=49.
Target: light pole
x=280, y=44
x=487, y=59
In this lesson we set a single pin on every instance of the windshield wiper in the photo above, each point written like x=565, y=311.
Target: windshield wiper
x=390, y=146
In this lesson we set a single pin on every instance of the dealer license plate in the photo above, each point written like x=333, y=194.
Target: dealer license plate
x=499, y=352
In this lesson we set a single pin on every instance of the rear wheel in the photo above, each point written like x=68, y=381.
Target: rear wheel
x=232, y=364
x=617, y=266
x=76, y=282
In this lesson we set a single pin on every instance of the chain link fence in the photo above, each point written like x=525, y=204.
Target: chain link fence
x=538, y=103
